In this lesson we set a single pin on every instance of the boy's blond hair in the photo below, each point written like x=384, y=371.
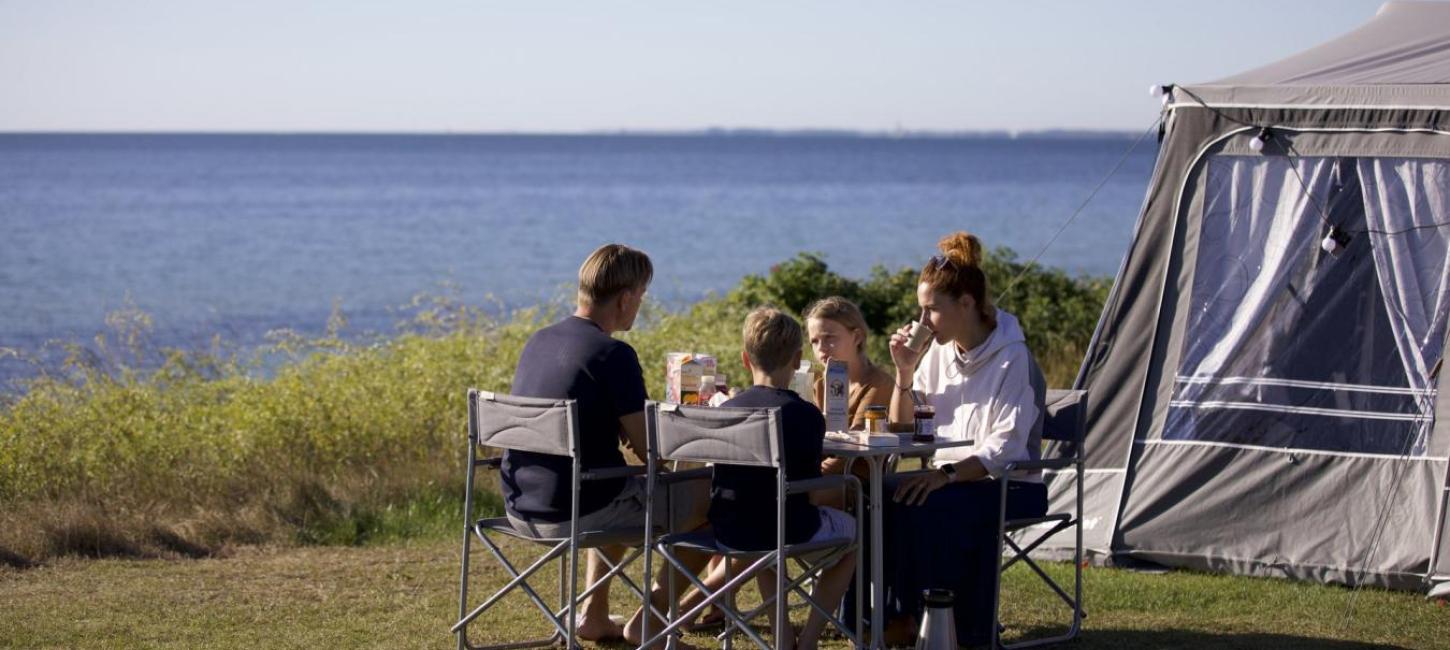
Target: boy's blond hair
x=771, y=338
x=610, y=270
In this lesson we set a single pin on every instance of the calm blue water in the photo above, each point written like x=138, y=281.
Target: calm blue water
x=240, y=234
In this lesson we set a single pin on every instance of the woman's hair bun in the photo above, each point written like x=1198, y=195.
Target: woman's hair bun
x=962, y=248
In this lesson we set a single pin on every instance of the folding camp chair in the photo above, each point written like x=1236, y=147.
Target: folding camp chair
x=1063, y=425
x=544, y=426
x=742, y=436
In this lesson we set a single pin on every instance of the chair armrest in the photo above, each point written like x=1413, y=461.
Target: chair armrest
x=1050, y=463
x=697, y=474
x=494, y=462
x=916, y=472
x=612, y=472
x=813, y=484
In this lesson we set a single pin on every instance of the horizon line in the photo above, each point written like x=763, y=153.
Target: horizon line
x=697, y=132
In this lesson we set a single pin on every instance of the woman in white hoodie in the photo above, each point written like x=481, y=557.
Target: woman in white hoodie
x=985, y=386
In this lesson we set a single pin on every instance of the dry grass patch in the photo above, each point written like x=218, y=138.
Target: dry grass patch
x=405, y=596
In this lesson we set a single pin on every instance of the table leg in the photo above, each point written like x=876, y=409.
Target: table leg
x=878, y=588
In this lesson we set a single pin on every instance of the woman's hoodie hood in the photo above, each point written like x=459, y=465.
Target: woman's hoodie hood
x=1007, y=333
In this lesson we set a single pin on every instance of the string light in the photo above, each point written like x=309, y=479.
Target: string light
x=1163, y=93
x=1261, y=139
x=1335, y=242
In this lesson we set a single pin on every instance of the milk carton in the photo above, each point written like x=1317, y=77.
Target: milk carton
x=837, y=392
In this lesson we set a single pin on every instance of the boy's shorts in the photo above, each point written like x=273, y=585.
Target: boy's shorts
x=835, y=524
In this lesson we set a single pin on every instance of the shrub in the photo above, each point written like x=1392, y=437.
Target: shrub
x=1058, y=312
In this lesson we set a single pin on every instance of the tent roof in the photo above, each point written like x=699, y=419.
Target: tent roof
x=1400, y=57
x=1405, y=43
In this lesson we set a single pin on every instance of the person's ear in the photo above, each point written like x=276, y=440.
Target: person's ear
x=795, y=361
x=968, y=303
x=745, y=359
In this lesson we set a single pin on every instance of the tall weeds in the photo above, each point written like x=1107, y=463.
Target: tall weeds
x=134, y=450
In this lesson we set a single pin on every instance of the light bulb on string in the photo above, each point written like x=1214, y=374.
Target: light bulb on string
x=1335, y=242
x=1259, y=140
x=1162, y=92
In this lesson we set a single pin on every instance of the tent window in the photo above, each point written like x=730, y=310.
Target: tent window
x=1289, y=346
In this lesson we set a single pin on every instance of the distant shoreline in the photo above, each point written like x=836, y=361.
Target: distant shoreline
x=714, y=132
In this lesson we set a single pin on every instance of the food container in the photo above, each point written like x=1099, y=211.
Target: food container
x=683, y=374
x=876, y=419
x=925, y=421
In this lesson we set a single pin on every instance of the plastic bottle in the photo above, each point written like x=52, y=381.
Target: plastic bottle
x=707, y=390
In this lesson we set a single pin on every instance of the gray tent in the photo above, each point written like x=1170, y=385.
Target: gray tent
x=1259, y=404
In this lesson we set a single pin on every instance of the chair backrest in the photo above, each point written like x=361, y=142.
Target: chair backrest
x=732, y=436
x=546, y=426
x=1066, y=420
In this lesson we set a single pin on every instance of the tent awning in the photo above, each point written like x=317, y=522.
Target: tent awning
x=1400, y=58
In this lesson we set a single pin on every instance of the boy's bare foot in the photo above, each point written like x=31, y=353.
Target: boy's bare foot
x=712, y=619
x=609, y=628
x=632, y=635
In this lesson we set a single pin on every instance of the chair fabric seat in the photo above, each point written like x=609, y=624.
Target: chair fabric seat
x=587, y=539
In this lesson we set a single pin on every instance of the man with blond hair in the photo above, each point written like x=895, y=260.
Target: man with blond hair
x=577, y=358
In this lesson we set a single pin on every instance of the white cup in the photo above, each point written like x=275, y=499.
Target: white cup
x=919, y=337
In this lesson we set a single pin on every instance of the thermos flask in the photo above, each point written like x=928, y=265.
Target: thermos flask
x=938, y=627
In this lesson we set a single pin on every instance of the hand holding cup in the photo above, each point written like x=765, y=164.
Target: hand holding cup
x=908, y=344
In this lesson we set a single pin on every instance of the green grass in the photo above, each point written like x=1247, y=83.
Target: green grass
x=404, y=595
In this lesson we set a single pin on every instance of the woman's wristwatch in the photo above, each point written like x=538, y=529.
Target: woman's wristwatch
x=950, y=469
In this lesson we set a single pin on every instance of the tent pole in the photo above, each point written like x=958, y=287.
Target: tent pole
x=1438, y=539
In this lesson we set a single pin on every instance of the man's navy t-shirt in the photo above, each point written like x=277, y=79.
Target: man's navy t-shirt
x=742, y=499
x=573, y=359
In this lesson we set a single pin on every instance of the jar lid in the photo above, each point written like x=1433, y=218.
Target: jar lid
x=876, y=409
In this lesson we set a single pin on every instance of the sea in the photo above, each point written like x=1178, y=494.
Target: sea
x=238, y=235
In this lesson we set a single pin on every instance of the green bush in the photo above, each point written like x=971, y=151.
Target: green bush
x=1058, y=312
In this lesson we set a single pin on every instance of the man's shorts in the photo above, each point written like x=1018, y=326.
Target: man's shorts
x=690, y=501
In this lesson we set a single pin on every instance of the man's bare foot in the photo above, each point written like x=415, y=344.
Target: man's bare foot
x=608, y=628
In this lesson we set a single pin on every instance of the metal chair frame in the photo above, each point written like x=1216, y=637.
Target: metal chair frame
x=521, y=431
x=661, y=422
x=1067, y=430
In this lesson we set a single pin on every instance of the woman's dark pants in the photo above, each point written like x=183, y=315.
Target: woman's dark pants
x=950, y=542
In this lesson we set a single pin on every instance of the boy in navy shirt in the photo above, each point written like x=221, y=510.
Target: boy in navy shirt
x=743, y=499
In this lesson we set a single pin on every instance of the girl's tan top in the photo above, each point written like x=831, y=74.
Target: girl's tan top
x=875, y=391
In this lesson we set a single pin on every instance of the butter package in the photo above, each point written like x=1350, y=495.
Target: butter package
x=880, y=439
x=837, y=391
x=683, y=372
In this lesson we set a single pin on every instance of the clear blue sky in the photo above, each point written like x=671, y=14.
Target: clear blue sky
x=428, y=66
